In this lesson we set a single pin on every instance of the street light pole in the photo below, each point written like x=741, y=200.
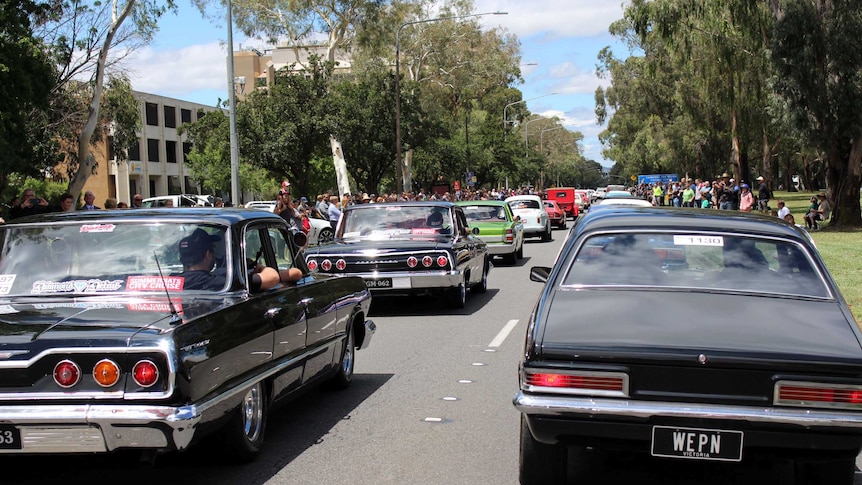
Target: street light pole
x=505, y=108
x=526, y=128
x=231, y=93
x=403, y=178
x=542, y=137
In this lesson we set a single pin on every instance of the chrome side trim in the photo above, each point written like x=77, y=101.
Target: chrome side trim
x=592, y=408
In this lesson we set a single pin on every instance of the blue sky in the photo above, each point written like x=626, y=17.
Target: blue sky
x=187, y=59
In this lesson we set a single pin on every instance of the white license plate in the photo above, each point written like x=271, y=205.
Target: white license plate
x=696, y=443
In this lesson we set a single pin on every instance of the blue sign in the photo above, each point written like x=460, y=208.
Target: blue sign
x=656, y=178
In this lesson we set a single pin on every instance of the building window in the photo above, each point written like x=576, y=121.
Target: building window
x=152, y=110
x=153, y=150
x=186, y=115
x=190, y=188
x=170, y=117
x=174, y=186
x=135, y=150
x=170, y=151
x=187, y=148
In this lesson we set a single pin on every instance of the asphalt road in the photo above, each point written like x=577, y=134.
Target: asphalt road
x=430, y=404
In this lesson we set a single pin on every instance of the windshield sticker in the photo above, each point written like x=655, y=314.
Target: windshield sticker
x=420, y=230
x=154, y=307
x=393, y=208
x=717, y=241
x=6, y=282
x=82, y=305
x=154, y=283
x=98, y=228
x=75, y=286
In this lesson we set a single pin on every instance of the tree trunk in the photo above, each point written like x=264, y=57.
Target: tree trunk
x=86, y=161
x=844, y=179
x=341, y=177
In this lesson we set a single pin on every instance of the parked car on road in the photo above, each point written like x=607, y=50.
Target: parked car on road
x=556, y=214
x=147, y=329
x=407, y=249
x=501, y=230
x=178, y=200
x=721, y=337
x=531, y=210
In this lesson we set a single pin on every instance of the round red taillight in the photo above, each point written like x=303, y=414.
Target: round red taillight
x=67, y=373
x=106, y=373
x=312, y=265
x=412, y=261
x=326, y=265
x=442, y=261
x=427, y=261
x=145, y=373
x=340, y=264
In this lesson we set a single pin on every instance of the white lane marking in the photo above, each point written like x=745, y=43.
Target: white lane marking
x=501, y=337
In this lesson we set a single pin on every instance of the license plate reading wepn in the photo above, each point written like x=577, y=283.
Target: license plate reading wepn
x=696, y=444
x=381, y=283
x=10, y=437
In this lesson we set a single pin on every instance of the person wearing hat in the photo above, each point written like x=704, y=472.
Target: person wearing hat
x=821, y=213
x=763, y=195
x=746, y=199
x=197, y=254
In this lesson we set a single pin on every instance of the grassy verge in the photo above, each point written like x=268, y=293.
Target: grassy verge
x=839, y=249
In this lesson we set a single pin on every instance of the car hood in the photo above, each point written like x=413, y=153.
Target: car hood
x=373, y=247
x=98, y=321
x=620, y=324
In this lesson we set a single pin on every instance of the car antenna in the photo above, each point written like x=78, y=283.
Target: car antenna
x=175, y=317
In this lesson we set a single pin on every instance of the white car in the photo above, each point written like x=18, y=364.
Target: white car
x=533, y=216
x=178, y=200
x=267, y=205
x=321, y=231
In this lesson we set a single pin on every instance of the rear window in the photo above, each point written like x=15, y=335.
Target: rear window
x=524, y=204
x=705, y=261
x=484, y=213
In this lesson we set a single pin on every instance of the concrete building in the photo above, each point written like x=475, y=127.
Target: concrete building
x=256, y=68
x=157, y=165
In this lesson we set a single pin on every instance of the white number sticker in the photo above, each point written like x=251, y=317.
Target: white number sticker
x=717, y=241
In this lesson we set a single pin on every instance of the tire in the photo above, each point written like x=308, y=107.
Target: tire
x=540, y=464
x=457, y=296
x=511, y=258
x=326, y=235
x=520, y=253
x=482, y=287
x=245, y=431
x=344, y=375
x=563, y=225
x=546, y=236
x=837, y=472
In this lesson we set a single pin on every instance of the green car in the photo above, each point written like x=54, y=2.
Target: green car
x=501, y=230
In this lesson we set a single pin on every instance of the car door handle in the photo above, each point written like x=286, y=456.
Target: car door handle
x=306, y=301
x=272, y=312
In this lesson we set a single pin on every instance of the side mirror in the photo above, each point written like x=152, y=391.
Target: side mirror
x=540, y=273
x=475, y=231
x=300, y=239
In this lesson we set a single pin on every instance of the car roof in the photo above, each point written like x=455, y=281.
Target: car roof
x=215, y=215
x=616, y=218
x=428, y=203
x=480, y=202
x=524, y=197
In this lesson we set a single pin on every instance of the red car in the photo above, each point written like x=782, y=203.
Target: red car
x=556, y=214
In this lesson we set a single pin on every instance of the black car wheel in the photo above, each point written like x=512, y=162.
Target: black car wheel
x=540, y=463
x=482, y=287
x=326, y=235
x=563, y=224
x=546, y=236
x=342, y=378
x=511, y=258
x=457, y=296
x=520, y=253
x=245, y=431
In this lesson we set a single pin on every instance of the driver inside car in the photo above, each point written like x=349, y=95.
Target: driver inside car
x=197, y=254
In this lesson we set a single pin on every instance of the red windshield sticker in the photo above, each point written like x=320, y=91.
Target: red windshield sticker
x=98, y=228
x=419, y=230
x=154, y=283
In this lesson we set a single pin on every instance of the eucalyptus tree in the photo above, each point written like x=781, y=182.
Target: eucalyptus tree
x=818, y=86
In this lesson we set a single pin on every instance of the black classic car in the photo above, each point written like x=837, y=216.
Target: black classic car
x=149, y=329
x=407, y=248
x=690, y=334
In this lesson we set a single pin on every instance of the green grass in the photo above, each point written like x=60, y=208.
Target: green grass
x=839, y=249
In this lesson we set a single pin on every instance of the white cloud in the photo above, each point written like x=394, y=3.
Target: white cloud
x=554, y=18
x=178, y=72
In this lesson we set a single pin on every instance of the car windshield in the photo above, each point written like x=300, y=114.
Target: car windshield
x=524, y=204
x=112, y=257
x=700, y=261
x=391, y=221
x=485, y=213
